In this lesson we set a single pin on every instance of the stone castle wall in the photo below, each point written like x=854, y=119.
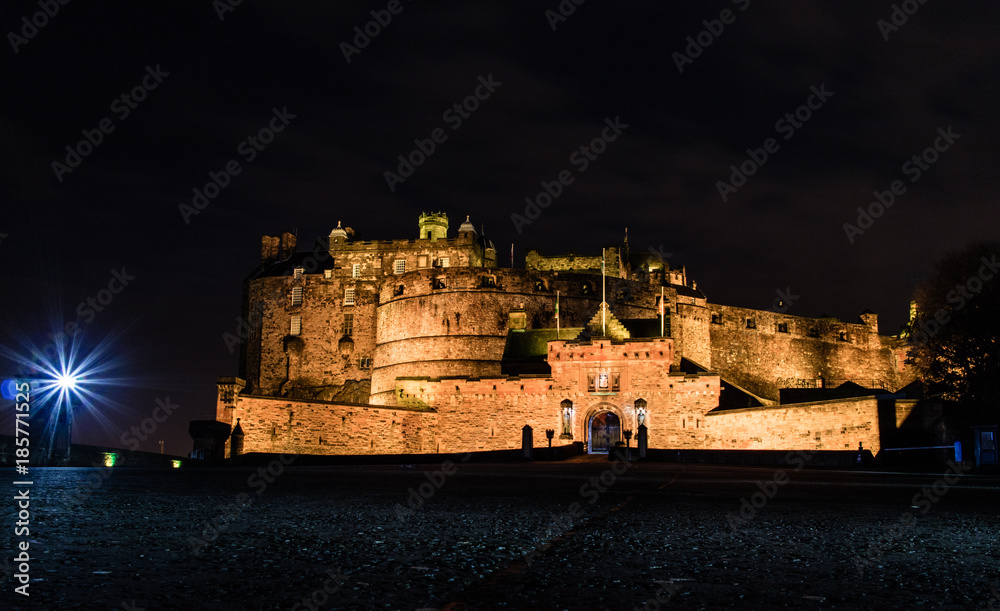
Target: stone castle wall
x=829, y=425
x=766, y=357
x=314, y=361
x=313, y=427
x=461, y=328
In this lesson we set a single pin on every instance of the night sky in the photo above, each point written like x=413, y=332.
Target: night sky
x=221, y=74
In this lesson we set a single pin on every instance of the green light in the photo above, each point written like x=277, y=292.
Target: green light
x=176, y=464
x=110, y=458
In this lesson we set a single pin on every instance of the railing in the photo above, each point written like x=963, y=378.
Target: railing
x=829, y=383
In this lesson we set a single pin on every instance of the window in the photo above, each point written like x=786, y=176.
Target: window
x=398, y=291
x=615, y=382
x=751, y=323
x=717, y=319
x=296, y=327
x=348, y=327
x=297, y=272
x=444, y=261
x=348, y=296
x=813, y=333
x=296, y=295
x=399, y=266
x=328, y=273
x=422, y=261
x=356, y=270
x=365, y=363
x=843, y=336
x=438, y=283
x=782, y=327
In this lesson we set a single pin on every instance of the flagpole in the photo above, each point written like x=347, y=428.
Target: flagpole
x=662, y=311
x=604, y=298
x=557, y=314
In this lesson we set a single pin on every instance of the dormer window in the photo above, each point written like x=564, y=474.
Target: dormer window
x=297, y=272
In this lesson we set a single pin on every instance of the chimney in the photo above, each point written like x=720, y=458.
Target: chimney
x=269, y=248
x=287, y=245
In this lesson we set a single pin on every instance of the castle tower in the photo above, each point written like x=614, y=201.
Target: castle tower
x=338, y=235
x=467, y=229
x=433, y=226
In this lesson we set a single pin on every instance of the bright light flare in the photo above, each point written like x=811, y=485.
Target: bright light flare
x=66, y=382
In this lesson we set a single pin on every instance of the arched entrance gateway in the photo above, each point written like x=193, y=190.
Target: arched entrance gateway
x=603, y=430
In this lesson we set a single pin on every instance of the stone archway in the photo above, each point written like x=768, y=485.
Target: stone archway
x=604, y=428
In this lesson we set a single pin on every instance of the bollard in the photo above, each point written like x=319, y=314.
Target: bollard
x=526, y=442
x=641, y=440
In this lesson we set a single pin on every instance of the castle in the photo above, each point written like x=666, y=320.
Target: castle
x=427, y=345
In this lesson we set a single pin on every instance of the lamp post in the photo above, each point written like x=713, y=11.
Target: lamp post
x=628, y=436
x=62, y=436
x=550, y=433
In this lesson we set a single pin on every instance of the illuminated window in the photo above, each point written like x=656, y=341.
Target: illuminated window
x=348, y=296
x=297, y=272
x=444, y=261
x=296, y=295
x=399, y=266
x=328, y=273
x=356, y=270
x=348, y=326
x=296, y=326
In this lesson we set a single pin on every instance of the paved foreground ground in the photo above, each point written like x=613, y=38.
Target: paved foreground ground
x=522, y=536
